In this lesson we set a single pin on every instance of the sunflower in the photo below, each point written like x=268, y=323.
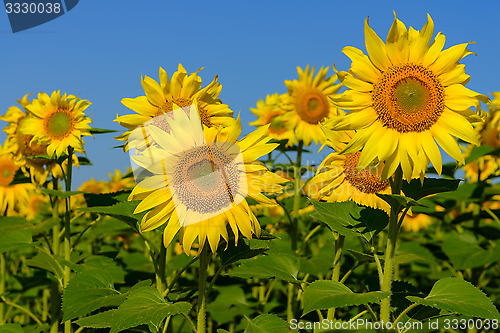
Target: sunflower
x=416, y=222
x=58, y=122
x=12, y=197
x=119, y=183
x=488, y=132
x=338, y=177
x=309, y=103
x=182, y=90
x=270, y=112
x=36, y=202
x=25, y=150
x=199, y=178
x=407, y=97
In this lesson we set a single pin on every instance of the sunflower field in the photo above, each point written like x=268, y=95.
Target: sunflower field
x=396, y=230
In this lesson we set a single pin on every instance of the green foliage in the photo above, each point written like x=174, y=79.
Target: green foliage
x=321, y=295
x=349, y=219
x=267, y=323
x=143, y=305
x=457, y=295
x=280, y=266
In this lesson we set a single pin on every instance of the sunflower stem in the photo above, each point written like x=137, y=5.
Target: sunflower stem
x=296, y=198
x=161, y=282
x=294, y=227
x=339, y=246
x=202, y=302
x=67, y=230
x=385, y=305
x=3, y=278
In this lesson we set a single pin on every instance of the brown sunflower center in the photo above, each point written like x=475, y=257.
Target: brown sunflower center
x=161, y=122
x=277, y=125
x=206, y=179
x=7, y=172
x=312, y=106
x=408, y=98
x=59, y=124
x=367, y=180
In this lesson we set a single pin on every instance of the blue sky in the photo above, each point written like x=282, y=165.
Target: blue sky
x=99, y=50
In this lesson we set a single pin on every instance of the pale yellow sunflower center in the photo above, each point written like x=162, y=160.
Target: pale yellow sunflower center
x=367, y=180
x=408, y=98
x=59, y=124
x=312, y=106
x=205, y=179
x=7, y=172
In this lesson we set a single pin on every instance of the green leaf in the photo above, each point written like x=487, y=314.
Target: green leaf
x=266, y=323
x=11, y=328
x=123, y=211
x=416, y=190
x=480, y=151
x=15, y=240
x=20, y=178
x=234, y=253
x=280, y=266
x=396, y=200
x=349, y=219
x=88, y=291
x=457, y=295
x=84, y=161
x=47, y=262
x=61, y=194
x=143, y=306
x=95, y=130
x=464, y=251
x=321, y=295
x=229, y=304
x=100, y=320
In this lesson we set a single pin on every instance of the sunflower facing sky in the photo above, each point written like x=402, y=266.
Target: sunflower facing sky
x=406, y=99
x=310, y=103
x=57, y=121
x=24, y=149
x=181, y=90
x=270, y=112
x=199, y=178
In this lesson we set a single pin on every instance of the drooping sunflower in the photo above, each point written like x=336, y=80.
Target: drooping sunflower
x=198, y=179
x=12, y=197
x=339, y=179
x=488, y=133
x=407, y=98
x=269, y=112
x=57, y=122
x=310, y=103
x=182, y=90
x=24, y=149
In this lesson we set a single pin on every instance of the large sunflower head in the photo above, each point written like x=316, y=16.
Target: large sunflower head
x=56, y=122
x=12, y=197
x=310, y=103
x=198, y=178
x=269, y=112
x=407, y=98
x=162, y=98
